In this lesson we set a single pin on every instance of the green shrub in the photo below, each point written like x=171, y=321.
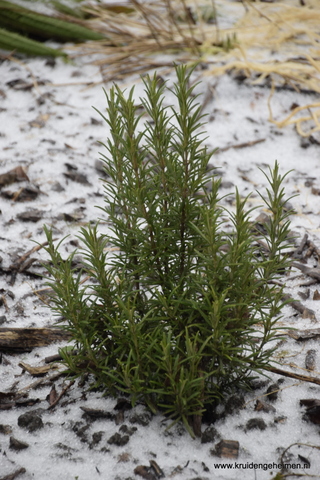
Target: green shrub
x=184, y=309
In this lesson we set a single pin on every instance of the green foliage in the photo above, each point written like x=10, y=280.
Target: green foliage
x=183, y=310
x=66, y=9
x=14, y=42
x=22, y=20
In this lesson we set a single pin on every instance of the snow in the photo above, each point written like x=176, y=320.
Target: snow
x=237, y=114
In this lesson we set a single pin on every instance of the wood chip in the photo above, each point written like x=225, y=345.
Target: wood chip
x=227, y=449
x=25, y=339
x=310, y=361
x=37, y=371
x=31, y=215
x=304, y=334
x=157, y=470
x=17, y=174
x=25, y=194
x=144, y=472
x=316, y=295
x=53, y=395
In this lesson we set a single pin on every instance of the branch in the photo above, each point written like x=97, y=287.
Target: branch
x=284, y=373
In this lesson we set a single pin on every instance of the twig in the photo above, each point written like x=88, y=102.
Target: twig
x=207, y=98
x=300, y=445
x=53, y=358
x=24, y=65
x=27, y=254
x=305, y=312
x=19, y=266
x=39, y=382
x=61, y=395
x=13, y=475
x=313, y=249
x=311, y=272
x=242, y=145
x=284, y=373
x=263, y=15
x=298, y=252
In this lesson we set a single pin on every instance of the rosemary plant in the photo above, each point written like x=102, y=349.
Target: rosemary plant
x=183, y=310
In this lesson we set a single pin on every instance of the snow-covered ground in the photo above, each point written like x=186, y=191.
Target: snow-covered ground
x=48, y=127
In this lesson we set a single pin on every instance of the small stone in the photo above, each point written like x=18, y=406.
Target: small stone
x=96, y=438
x=305, y=143
x=5, y=429
x=280, y=419
x=263, y=406
x=234, y=403
x=127, y=430
x=123, y=404
x=226, y=184
x=57, y=187
x=80, y=430
x=99, y=165
x=313, y=410
x=208, y=186
x=141, y=418
x=17, y=444
x=212, y=168
x=94, y=121
x=64, y=451
x=304, y=295
x=209, y=435
x=77, y=177
x=205, y=468
x=272, y=392
x=309, y=182
x=31, y=421
x=119, y=440
x=256, y=424
x=71, y=167
x=259, y=224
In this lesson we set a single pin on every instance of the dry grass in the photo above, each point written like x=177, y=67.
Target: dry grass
x=277, y=43
x=146, y=36
x=291, y=35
